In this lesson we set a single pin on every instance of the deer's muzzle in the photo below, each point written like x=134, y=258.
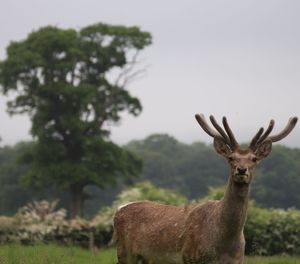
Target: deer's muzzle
x=241, y=178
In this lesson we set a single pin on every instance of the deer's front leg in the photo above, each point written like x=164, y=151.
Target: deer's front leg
x=200, y=258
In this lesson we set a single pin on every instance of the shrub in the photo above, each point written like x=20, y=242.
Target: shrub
x=41, y=222
x=272, y=231
x=268, y=231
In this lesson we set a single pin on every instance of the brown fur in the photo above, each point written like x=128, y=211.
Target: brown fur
x=208, y=233
x=211, y=232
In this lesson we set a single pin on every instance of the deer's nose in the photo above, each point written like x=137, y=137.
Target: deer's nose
x=241, y=171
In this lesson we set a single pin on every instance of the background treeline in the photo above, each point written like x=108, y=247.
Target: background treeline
x=190, y=169
x=193, y=168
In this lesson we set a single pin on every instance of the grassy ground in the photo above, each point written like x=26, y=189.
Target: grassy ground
x=272, y=260
x=51, y=254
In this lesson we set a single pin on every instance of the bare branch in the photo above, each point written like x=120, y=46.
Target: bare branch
x=128, y=74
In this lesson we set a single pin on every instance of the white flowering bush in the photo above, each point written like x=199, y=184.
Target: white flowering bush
x=42, y=222
x=41, y=212
x=39, y=220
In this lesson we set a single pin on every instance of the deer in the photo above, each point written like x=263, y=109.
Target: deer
x=207, y=233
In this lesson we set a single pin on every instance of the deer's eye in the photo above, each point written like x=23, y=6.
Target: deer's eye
x=254, y=159
x=230, y=159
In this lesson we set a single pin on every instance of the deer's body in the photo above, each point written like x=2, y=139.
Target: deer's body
x=187, y=235
x=208, y=233
x=139, y=238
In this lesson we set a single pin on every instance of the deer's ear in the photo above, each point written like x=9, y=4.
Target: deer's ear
x=264, y=149
x=221, y=147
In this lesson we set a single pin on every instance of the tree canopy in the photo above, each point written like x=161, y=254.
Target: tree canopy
x=73, y=85
x=191, y=169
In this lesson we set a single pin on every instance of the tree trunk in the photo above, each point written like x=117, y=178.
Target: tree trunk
x=76, y=191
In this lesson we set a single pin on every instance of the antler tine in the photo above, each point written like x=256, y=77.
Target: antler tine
x=289, y=127
x=253, y=143
x=267, y=132
x=202, y=122
x=220, y=130
x=229, y=133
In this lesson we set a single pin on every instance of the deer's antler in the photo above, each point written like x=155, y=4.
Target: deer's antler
x=261, y=137
x=227, y=135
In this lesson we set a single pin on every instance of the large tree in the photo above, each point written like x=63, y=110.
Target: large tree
x=73, y=84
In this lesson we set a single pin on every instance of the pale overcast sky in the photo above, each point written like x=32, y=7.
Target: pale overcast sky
x=235, y=58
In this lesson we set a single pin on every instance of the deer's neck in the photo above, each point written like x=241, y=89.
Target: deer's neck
x=234, y=209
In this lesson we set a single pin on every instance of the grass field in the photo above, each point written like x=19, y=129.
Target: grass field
x=51, y=254
x=272, y=260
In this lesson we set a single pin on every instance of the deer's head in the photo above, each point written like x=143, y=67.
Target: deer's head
x=242, y=161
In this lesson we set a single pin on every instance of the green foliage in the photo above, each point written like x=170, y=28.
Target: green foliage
x=277, y=180
x=267, y=231
x=63, y=80
x=147, y=191
x=188, y=168
x=12, y=194
x=193, y=168
x=272, y=260
x=139, y=192
x=215, y=193
x=100, y=166
x=40, y=222
x=158, y=153
x=45, y=254
x=273, y=231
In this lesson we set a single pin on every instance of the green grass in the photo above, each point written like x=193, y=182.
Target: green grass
x=51, y=254
x=272, y=260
